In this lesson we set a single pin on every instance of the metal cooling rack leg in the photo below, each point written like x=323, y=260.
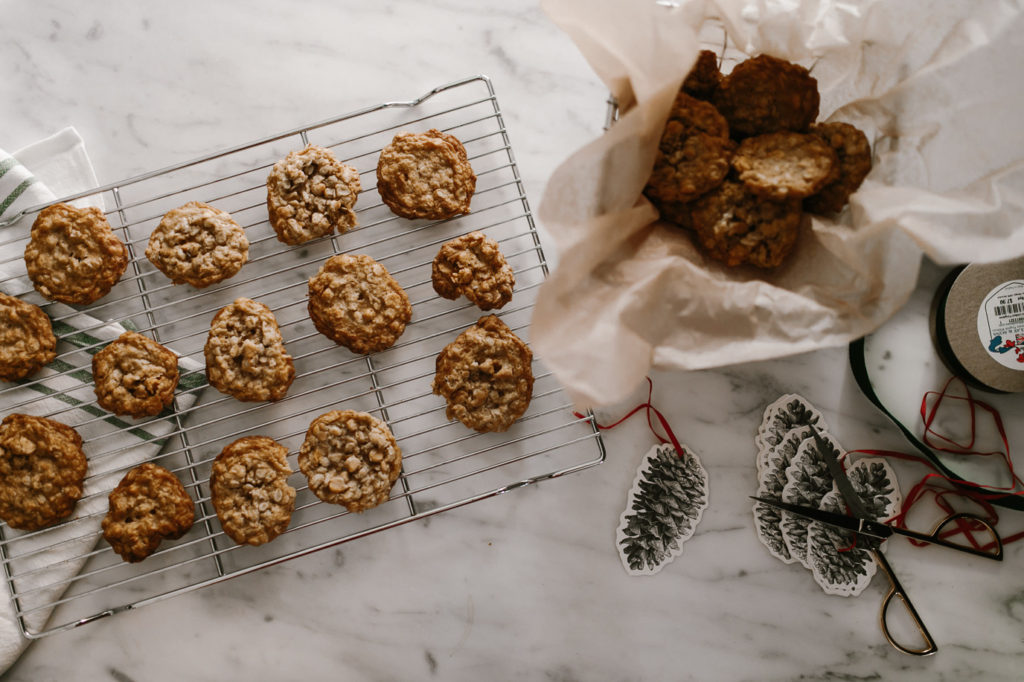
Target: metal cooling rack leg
x=179, y=426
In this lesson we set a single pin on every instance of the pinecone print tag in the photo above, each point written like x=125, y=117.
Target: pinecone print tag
x=663, y=508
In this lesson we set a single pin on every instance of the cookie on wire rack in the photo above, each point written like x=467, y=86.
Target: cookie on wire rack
x=485, y=376
x=250, y=492
x=425, y=175
x=198, y=244
x=350, y=458
x=42, y=471
x=355, y=302
x=135, y=376
x=310, y=194
x=473, y=266
x=148, y=506
x=73, y=256
x=245, y=353
x=27, y=342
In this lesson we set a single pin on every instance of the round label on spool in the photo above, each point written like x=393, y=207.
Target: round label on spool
x=1001, y=324
x=982, y=325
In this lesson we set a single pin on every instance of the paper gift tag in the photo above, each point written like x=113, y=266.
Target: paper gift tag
x=664, y=506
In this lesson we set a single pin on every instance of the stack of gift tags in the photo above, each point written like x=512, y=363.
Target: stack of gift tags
x=793, y=468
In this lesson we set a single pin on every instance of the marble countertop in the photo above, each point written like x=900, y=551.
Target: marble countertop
x=527, y=585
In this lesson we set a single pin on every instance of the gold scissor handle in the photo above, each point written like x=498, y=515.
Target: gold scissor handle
x=936, y=534
x=896, y=590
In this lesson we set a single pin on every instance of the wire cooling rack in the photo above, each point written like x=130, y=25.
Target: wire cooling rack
x=445, y=465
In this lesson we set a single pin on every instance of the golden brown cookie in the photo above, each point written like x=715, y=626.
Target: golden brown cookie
x=149, y=505
x=688, y=164
x=704, y=77
x=245, y=353
x=765, y=95
x=134, y=375
x=250, y=492
x=854, y=154
x=425, y=175
x=485, y=375
x=695, y=116
x=198, y=244
x=310, y=194
x=42, y=469
x=26, y=338
x=351, y=459
x=738, y=227
x=473, y=266
x=356, y=303
x=72, y=255
x=784, y=165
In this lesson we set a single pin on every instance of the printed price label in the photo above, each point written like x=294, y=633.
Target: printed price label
x=1001, y=324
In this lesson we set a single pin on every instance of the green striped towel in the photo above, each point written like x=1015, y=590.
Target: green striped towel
x=64, y=391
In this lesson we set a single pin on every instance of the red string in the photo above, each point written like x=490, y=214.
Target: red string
x=649, y=408
x=937, y=485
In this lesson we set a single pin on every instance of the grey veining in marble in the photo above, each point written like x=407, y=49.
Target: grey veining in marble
x=527, y=586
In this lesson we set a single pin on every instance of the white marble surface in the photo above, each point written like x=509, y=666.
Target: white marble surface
x=527, y=585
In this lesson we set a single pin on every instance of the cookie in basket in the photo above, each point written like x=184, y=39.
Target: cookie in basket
x=42, y=470
x=250, y=492
x=737, y=227
x=350, y=458
x=355, y=302
x=785, y=165
x=765, y=95
x=473, y=266
x=485, y=376
x=198, y=244
x=311, y=194
x=148, y=506
x=703, y=79
x=26, y=338
x=73, y=256
x=245, y=353
x=854, y=155
x=425, y=175
x=135, y=376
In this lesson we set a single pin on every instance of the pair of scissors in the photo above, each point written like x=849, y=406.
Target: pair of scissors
x=862, y=524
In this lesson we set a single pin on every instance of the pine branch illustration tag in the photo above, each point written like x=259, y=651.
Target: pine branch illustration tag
x=664, y=506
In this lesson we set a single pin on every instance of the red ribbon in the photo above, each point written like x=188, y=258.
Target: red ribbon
x=936, y=485
x=649, y=408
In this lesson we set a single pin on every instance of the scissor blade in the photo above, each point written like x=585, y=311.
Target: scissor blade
x=875, y=530
x=850, y=496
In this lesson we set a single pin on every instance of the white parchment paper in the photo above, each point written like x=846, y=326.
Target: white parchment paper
x=935, y=86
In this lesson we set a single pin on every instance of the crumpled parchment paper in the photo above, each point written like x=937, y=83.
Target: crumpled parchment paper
x=935, y=86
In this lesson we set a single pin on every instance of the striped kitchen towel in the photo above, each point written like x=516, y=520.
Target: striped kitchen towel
x=45, y=563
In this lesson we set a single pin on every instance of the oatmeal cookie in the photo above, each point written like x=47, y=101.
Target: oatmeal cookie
x=73, y=256
x=736, y=226
x=149, y=505
x=310, y=194
x=245, y=353
x=485, y=375
x=351, y=459
x=784, y=165
x=854, y=154
x=688, y=164
x=695, y=116
x=42, y=469
x=26, y=338
x=765, y=95
x=250, y=492
x=425, y=175
x=355, y=302
x=704, y=77
x=135, y=376
x=198, y=244
x=472, y=266
x=678, y=213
